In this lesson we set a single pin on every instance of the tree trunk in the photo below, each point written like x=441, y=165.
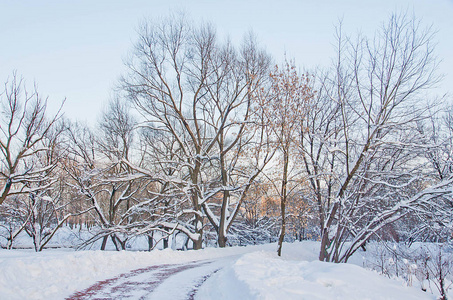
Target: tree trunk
x=104, y=242
x=323, y=254
x=222, y=239
x=282, y=231
x=283, y=197
x=221, y=235
x=198, y=244
x=116, y=242
x=150, y=242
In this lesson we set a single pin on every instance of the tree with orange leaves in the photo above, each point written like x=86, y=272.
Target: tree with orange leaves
x=284, y=107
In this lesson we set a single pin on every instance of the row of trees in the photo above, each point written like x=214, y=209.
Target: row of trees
x=203, y=135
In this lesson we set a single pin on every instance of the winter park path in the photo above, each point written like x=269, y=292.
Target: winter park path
x=167, y=281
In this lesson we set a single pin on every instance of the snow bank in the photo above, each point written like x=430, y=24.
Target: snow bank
x=269, y=277
x=56, y=274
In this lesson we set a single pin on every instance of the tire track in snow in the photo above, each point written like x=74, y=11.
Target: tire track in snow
x=193, y=292
x=140, y=283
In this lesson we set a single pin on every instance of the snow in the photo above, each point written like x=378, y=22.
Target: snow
x=253, y=272
x=268, y=277
x=55, y=274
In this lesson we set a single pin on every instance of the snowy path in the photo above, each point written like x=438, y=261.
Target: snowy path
x=167, y=281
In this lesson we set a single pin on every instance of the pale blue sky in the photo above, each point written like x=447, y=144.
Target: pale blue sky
x=74, y=49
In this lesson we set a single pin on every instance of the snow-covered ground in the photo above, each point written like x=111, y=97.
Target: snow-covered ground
x=253, y=272
x=261, y=275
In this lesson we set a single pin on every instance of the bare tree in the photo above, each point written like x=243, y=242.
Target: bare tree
x=30, y=151
x=362, y=151
x=434, y=223
x=45, y=207
x=23, y=128
x=100, y=176
x=195, y=95
x=116, y=131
